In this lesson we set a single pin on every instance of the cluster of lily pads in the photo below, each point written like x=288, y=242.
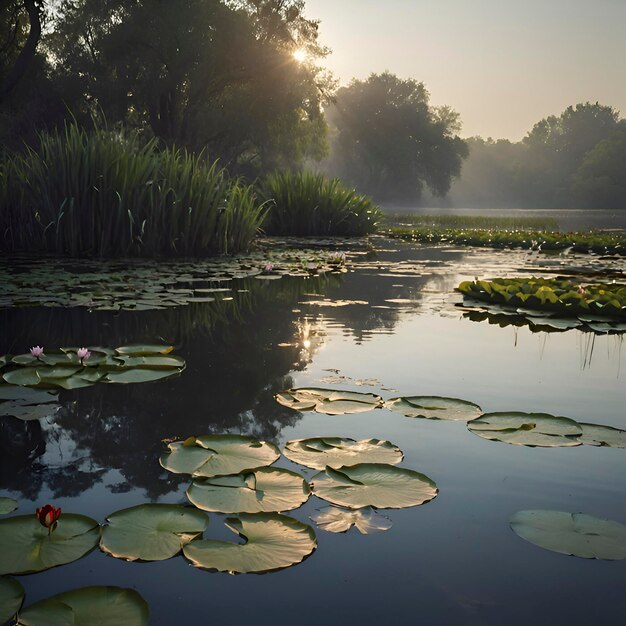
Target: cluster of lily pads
x=568, y=533
x=586, y=242
x=147, y=285
x=231, y=474
x=527, y=429
x=556, y=303
x=73, y=368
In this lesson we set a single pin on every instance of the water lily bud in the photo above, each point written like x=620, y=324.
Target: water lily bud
x=37, y=351
x=48, y=516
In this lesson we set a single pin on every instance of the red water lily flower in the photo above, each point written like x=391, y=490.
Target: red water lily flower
x=48, y=516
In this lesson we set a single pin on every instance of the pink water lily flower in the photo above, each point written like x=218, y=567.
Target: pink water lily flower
x=83, y=354
x=36, y=351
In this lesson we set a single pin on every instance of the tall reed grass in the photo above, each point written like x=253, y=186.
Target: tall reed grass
x=110, y=194
x=304, y=204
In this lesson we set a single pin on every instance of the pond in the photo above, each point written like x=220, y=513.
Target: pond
x=390, y=325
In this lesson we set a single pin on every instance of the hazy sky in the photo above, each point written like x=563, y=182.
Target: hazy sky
x=502, y=64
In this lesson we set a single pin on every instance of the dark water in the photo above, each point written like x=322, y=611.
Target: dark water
x=452, y=561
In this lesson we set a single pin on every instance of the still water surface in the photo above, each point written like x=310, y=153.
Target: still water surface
x=453, y=561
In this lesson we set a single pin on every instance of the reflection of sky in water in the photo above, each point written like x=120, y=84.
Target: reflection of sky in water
x=452, y=561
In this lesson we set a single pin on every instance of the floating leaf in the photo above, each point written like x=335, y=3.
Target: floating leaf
x=7, y=505
x=151, y=532
x=328, y=401
x=365, y=520
x=318, y=452
x=11, y=598
x=273, y=541
x=27, y=412
x=218, y=455
x=527, y=429
x=132, y=376
x=23, y=376
x=575, y=534
x=26, y=547
x=104, y=606
x=144, y=350
x=435, y=407
x=373, y=484
x=598, y=435
x=266, y=490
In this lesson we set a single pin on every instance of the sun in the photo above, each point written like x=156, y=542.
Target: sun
x=300, y=55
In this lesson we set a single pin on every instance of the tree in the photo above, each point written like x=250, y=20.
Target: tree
x=390, y=142
x=201, y=74
x=555, y=148
x=600, y=181
x=17, y=50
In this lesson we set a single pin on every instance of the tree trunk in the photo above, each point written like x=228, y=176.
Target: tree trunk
x=26, y=54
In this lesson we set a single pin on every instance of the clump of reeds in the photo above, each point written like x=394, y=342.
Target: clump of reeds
x=306, y=204
x=104, y=193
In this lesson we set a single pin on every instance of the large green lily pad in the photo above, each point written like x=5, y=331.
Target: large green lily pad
x=435, y=407
x=89, y=606
x=11, y=598
x=328, y=401
x=7, y=505
x=266, y=489
x=373, y=484
x=527, y=429
x=151, y=532
x=273, y=542
x=319, y=452
x=26, y=547
x=598, y=435
x=336, y=520
x=218, y=455
x=574, y=534
x=144, y=349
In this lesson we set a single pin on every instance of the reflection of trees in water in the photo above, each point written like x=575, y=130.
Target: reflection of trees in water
x=234, y=367
x=231, y=376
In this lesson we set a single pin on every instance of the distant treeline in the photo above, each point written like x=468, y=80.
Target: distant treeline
x=575, y=160
x=242, y=81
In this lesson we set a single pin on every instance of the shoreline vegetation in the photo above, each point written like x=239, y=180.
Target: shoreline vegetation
x=108, y=194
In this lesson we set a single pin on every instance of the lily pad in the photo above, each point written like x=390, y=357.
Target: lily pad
x=337, y=520
x=11, y=598
x=144, y=349
x=435, y=407
x=104, y=606
x=373, y=484
x=26, y=547
x=273, y=542
x=318, y=452
x=151, y=532
x=132, y=376
x=267, y=489
x=575, y=534
x=7, y=505
x=328, y=401
x=218, y=455
x=598, y=435
x=527, y=429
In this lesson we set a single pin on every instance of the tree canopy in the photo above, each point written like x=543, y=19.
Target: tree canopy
x=391, y=142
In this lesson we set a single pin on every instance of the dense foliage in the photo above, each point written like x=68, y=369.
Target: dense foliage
x=576, y=159
x=110, y=194
x=391, y=142
x=304, y=203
